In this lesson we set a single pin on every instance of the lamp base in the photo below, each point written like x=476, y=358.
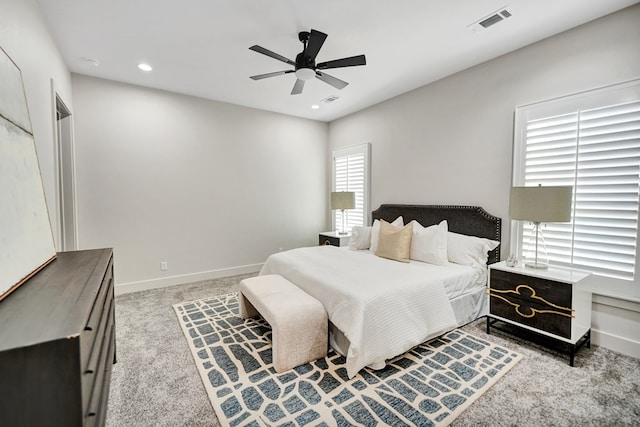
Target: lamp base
x=535, y=256
x=537, y=266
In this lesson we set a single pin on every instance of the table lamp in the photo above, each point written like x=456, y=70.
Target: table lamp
x=540, y=204
x=343, y=200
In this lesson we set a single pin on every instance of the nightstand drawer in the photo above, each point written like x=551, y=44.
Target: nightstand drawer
x=536, y=302
x=333, y=238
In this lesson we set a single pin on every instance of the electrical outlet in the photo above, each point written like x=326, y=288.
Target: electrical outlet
x=163, y=265
x=279, y=249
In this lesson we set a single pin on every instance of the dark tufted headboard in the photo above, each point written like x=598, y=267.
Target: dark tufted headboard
x=470, y=220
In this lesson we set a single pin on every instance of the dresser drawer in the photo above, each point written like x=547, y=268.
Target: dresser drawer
x=95, y=410
x=96, y=323
x=98, y=360
x=536, y=302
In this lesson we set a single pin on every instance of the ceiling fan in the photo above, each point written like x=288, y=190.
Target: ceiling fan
x=305, y=63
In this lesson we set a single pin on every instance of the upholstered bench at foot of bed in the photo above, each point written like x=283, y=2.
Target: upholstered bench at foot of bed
x=299, y=324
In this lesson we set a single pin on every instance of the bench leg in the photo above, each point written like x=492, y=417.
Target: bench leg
x=247, y=309
x=296, y=343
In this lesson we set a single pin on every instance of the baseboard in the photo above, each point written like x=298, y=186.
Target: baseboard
x=615, y=343
x=145, y=285
x=615, y=323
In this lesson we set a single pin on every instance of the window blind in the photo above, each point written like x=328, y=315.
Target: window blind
x=597, y=151
x=350, y=173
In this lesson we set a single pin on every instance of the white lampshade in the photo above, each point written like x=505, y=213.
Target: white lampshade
x=541, y=204
x=343, y=200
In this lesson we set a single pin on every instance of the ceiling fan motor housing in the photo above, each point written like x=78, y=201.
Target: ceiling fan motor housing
x=305, y=67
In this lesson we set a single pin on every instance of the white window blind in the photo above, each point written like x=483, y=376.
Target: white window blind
x=351, y=173
x=597, y=151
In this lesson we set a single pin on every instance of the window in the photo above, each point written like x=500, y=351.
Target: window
x=351, y=173
x=590, y=141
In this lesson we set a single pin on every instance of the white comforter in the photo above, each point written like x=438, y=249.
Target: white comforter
x=383, y=307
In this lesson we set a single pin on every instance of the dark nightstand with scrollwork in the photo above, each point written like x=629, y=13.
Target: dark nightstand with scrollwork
x=333, y=238
x=553, y=303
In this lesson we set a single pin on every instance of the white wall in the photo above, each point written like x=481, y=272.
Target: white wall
x=253, y=182
x=451, y=141
x=211, y=188
x=26, y=39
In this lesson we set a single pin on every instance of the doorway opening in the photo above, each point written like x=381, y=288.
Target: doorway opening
x=65, y=165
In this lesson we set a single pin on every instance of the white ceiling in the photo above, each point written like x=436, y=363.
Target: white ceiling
x=201, y=47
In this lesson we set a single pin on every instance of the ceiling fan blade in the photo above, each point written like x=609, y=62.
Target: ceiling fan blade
x=267, y=75
x=330, y=80
x=316, y=40
x=273, y=55
x=297, y=87
x=352, y=61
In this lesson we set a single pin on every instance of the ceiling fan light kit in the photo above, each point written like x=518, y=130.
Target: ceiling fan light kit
x=305, y=63
x=305, y=73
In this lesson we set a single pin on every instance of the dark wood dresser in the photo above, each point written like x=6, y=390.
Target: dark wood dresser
x=57, y=343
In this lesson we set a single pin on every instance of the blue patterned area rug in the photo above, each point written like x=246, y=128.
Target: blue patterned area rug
x=429, y=385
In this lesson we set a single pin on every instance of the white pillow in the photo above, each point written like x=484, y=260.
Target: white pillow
x=469, y=250
x=429, y=244
x=360, y=238
x=375, y=232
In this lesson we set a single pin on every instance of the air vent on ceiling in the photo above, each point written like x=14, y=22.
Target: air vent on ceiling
x=330, y=99
x=91, y=61
x=492, y=19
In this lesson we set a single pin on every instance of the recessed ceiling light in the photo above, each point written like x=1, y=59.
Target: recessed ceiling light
x=145, y=67
x=315, y=106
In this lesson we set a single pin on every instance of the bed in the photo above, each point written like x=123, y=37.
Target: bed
x=379, y=308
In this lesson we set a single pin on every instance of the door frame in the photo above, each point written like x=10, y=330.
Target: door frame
x=64, y=166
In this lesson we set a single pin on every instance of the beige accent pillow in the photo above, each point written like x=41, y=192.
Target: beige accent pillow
x=394, y=242
x=375, y=231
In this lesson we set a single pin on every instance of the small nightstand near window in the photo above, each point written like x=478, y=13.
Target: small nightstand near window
x=555, y=303
x=333, y=238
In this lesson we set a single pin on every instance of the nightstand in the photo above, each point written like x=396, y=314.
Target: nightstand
x=554, y=303
x=333, y=238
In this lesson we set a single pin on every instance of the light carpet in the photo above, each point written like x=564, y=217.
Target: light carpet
x=429, y=385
